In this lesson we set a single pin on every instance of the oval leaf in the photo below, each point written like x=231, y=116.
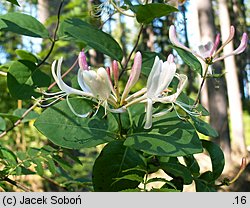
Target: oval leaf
x=95, y=38
x=217, y=157
x=24, y=77
x=169, y=136
x=189, y=59
x=110, y=164
x=204, y=128
x=25, y=55
x=148, y=12
x=2, y=125
x=23, y=24
x=65, y=129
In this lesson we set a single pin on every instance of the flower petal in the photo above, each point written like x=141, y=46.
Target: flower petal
x=240, y=49
x=149, y=112
x=61, y=84
x=153, y=78
x=167, y=75
x=83, y=61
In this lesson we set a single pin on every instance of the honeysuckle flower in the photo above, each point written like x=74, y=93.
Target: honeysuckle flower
x=159, y=79
x=95, y=85
x=209, y=53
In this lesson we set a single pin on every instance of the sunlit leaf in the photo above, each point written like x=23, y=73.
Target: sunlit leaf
x=24, y=77
x=148, y=12
x=189, y=59
x=23, y=24
x=65, y=129
x=216, y=156
x=204, y=128
x=13, y=2
x=25, y=55
x=169, y=136
x=78, y=30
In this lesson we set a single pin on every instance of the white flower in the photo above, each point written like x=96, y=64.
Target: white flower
x=160, y=77
x=94, y=84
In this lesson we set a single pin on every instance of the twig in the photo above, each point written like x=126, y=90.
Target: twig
x=54, y=35
x=20, y=119
x=17, y=184
x=202, y=83
x=129, y=57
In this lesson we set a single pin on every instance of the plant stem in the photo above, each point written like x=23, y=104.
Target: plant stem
x=120, y=125
x=202, y=83
x=17, y=184
x=54, y=35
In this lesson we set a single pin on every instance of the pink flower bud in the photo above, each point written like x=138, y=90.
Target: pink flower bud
x=134, y=75
x=115, y=70
x=82, y=61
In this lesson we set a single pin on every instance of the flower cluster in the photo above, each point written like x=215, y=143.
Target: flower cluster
x=209, y=53
x=102, y=85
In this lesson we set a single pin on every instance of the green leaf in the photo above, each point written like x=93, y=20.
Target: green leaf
x=65, y=129
x=51, y=165
x=62, y=163
x=110, y=164
x=169, y=136
x=21, y=155
x=152, y=180
x=205, y=183
x=202, y=186
x=24, y=77
x=33, y=152
x=11, y=117
x=25, y=55
x=39, y=166
x=30, y=116
x=189, y=101
x=23, y=24
x=192, y=165
x=163, y=190
x=130, y=177
x=189, y=59
x=13, y=2
x=177, y=171
x=9, y=156
x=78, y=30
x=2, y=125
x=216, y=156
x=204, y=128
x=148, y=12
